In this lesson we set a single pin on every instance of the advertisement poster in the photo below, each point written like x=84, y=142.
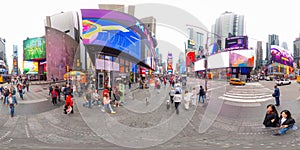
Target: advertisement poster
x=34, y=49
x=241, y=58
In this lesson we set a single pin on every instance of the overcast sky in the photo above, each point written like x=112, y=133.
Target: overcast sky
x=21, y=19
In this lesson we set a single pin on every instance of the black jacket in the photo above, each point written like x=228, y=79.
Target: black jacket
x=289, y=121
x=267, y=121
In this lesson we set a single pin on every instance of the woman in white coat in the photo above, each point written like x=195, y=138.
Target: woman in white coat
x=187, y=99
x=177, y=100
x=194, y=97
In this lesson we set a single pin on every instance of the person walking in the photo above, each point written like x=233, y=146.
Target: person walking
x=276, y=94
x=96, y=97
x=177, y=100
x=201, y=94
x=106, y=102
x=172, y=94
x=20, y=89
x=286, y=122
x=271, y=118
x=11, y=103
x=187, y=99
x=194, y=97
x=88, y=99
x=54, y=95
x=27, y=85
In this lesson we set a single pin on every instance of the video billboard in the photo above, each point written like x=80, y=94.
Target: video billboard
x=282, y=56
x=34, y=49
x=241, y=58
x=111, y=34
x=219, y=60
x=236, y=43
x=31, y=67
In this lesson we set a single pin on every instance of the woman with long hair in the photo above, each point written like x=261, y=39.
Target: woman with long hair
x=286, y=122
x=271, y=118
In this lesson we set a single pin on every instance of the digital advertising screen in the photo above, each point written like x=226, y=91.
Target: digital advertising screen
x=219, y=60
x=31, y=67
x=281, y=55
x=34, y=49
x=236, y=43
x=241, y=58
x=111, y=34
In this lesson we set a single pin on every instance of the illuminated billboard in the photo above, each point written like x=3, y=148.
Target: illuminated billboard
x=236, y=43
x=34, y=49
x=241, y=58
x=282, y=56
x=111, y=34
x=31, y=67
x=219, y=60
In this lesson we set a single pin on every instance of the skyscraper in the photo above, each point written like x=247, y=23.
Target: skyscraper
x=228, y=24
x=297, y=51
x=259, y=55
x=273, y=40
x=284, y=45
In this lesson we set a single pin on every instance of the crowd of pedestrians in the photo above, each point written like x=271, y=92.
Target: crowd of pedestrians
x=8, y=93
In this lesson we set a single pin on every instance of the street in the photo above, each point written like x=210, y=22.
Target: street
x=231, y=118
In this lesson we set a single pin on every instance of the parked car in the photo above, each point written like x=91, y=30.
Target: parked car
x=236, y=81
x=283, y=81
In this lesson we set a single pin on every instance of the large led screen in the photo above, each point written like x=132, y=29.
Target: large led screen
x=31, y=67
x=219, y=60
x=236, y=43
x=282, y=56
x=111, y=34
x=34, y=49
x=241, y=58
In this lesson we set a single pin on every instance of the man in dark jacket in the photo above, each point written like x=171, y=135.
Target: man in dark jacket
x=276, y=94
x=201, y=94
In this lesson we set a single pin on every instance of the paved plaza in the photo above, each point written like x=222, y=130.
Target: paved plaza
x=231, y=118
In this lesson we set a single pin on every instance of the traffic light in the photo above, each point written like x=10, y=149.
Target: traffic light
x=67, y=69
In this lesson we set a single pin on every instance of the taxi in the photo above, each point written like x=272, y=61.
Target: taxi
x=236, y=81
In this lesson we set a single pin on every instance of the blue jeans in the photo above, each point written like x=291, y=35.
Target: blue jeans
x=283, y=130
x=109, y=106
x=98, y=103
x=203, y=98
x=21, y=95
x=12, y=110
x=277, y=100
x=88, y=104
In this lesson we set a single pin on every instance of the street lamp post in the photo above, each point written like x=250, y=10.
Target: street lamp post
x=206, y=52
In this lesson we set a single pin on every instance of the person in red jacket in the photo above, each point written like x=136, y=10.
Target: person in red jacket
x=69, y=104
x=54, y=95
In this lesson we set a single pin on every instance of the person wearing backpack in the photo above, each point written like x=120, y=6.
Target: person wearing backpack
x=11, y=103
x=54, y=95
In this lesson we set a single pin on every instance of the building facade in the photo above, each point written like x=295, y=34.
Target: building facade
x=273, y=40
x=296, y=44
x=228, y=24
x=259, y=55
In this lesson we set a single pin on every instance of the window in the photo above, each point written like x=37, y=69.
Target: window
x=199, y=41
